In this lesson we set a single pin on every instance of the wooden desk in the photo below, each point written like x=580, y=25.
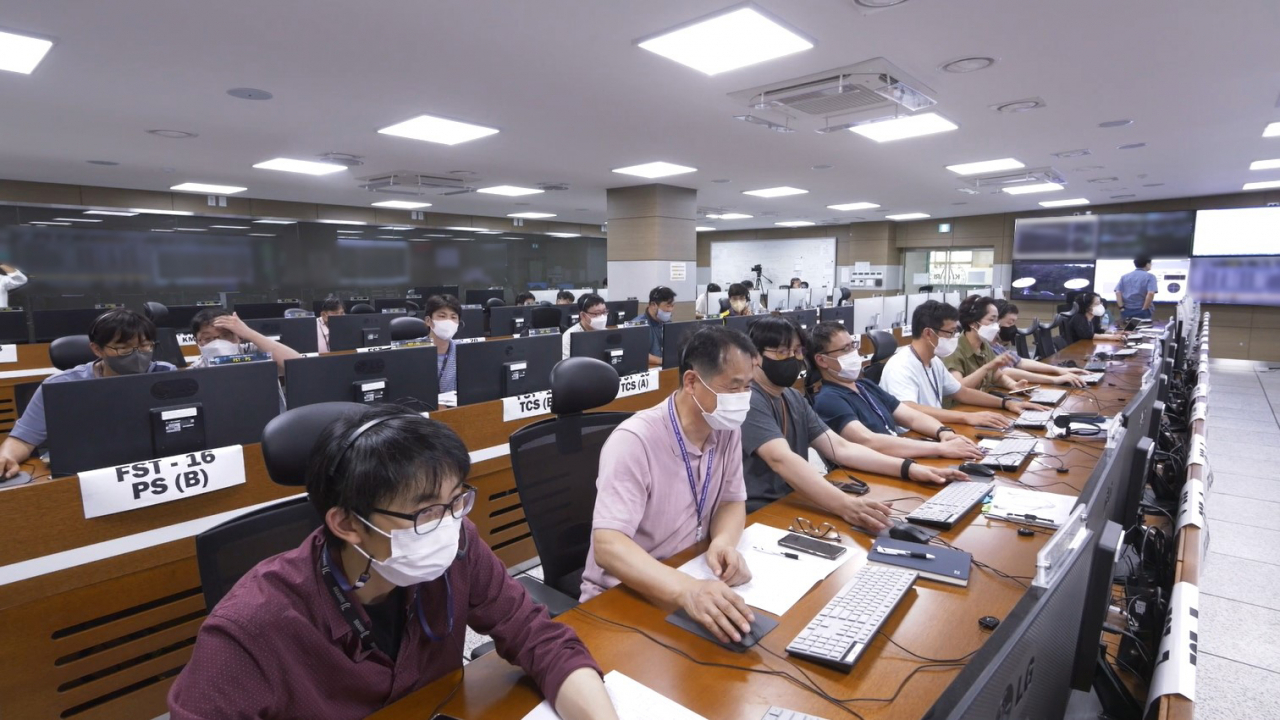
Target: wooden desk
x=935, y=620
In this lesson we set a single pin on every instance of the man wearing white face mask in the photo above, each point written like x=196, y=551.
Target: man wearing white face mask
x=662, y=302
x=861, y=412
x=917, y=376
x=975, y=363
x=220, y=332
x=375, y=604
x=443, y=313
x=671, y=477
x=593, y=314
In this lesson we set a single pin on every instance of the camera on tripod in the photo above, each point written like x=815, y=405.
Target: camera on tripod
x=757, y=269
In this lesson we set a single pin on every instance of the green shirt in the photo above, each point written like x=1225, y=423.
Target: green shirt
x=966, y=361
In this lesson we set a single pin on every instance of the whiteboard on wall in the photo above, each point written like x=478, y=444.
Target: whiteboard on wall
x=810, y=259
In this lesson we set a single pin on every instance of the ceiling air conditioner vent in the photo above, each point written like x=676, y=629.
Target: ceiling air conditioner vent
x=416, y=184
x=1001, y=180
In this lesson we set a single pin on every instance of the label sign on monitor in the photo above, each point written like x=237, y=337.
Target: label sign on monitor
x=375, y=348
x=186, y=339
x=638, y=383
x=467, y=341
x=526, y=406
x=8, y=354
x=137, y=485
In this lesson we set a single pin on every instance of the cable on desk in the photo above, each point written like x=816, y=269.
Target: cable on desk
x=1016, y=578
x=903, y=684
x=439, y=706
x=960, y=659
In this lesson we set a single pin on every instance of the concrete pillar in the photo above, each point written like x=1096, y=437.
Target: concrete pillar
x=651, y=242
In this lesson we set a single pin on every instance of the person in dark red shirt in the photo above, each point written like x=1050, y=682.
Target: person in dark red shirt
x=375, y=604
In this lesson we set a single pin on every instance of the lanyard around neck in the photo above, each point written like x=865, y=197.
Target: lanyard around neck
x=861, y=394
x=928, y=373
x=699, y=501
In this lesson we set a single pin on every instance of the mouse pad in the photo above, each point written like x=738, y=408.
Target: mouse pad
x=759, y=629
x=933, y=532
x=22, y=478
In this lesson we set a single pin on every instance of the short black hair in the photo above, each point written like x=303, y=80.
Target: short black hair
x=973, y=309
x=1141, y=261
x=821, y=336
x=774, y=331
x=661, y=294
x=704, y=351
x=931, y=315
x=739, y=290
x=406, y=456
x=524, y=296
x=442, y=302
x=205, y=317
x=565, y=295
x=588, y=301
x=1004, y=307
x=748, y=284
x=804, y=284
x=122, y=325
x=712, y=287
x=330, y=304
x=1084, y=300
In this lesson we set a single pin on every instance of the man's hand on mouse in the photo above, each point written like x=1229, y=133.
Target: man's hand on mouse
x=717, y=608
x=934, y=476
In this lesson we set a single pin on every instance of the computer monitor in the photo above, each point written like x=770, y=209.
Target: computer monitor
x=790, y=298
x=844, y=315
x=427, y=291
x=472, y=323
x=626, y=349
x=712, y=306
x=675, y=334
x=1127, y=511
x=741, y=323
x=952, y=298
x=406, y=376
x=621, y=311
x=504, y=368
x=894, y=313
x=348, y=332
x=168, y=348
x=49, y=325
x=914, y=301
x=383, y=304
x=254, y=311
x=13, y=326
x=180, y=316
x=805, y=318
x=1089, y=654
x=509, y=320
x=869, y=314
x=104, y=422
x=1099, y=494
x=297, y=333
x=548, y=296
x=480, y=297
x=317, y=306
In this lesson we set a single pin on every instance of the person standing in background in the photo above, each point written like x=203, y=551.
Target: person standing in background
x=1136, y=290
x=12, y=279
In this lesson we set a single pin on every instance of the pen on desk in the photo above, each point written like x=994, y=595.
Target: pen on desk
x=904, y=553
x=792, y=556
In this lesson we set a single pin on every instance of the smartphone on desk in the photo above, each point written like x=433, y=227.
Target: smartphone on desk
x=811, y=546
x=1027, y=389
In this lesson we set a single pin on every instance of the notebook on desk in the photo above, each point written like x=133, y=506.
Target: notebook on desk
x=947, y=565
x=1029, y=507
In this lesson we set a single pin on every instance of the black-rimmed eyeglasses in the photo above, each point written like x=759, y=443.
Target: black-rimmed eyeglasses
x=430, y=517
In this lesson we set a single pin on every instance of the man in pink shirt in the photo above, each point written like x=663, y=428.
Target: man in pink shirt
x=671, y=477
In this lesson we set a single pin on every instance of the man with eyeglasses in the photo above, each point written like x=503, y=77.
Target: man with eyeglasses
x=781, y=428
x=124, y=343
x=917, y=376
x=376, y=602
x=593, y=314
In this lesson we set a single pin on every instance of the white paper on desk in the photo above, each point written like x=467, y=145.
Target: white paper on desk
x=8, y=354
x=777, y=582
x=631, y=700
x=1050, y=509
x=449, y=399
x=1175, y=672
x=1144, y=346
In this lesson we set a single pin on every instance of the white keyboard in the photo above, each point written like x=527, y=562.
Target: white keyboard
x=950, y=504
x=777, y=713
x=1033, y=418
x=1092, y=379
x=1048, y=397
x=842, y=630
x=1010, y=453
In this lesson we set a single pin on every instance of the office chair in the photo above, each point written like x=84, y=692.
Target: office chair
x=155, y=312
x=167, y=347
x=492, y=303
x=413, y=308
x=885, y=345
x=545, y=317
x=925, y=289
x=844, y=297
x=1020, y=340
x=1045, y=345
x=724, y=304
x=298, y=313
x=362, y=309
x=226, y=552
x=70, y=351
x=408, y=328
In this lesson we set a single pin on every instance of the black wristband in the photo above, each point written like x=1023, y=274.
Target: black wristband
x=1004, y=403
x=937, y=435
x=905, y=472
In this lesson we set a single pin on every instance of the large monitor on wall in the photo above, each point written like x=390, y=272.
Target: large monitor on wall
x=1073, y=237
x=1109, y=235
x=1171, y=275
x=1238, y=231
x=1045, y=280
x=1236, y=280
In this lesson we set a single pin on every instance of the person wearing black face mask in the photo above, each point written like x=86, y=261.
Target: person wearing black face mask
x=1025, y=368
x=124, y=343
x=781, y=427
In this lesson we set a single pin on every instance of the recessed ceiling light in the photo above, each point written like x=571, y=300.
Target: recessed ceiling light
x=160, y=230
x=401, y=204
x=531, y=215
x=730, y=216
x=1036, y=188
x=1131, y=146
x=1264, y=164
x=1064, y=203
x=21, y=53
x=249, y=94
x=489, y=232
x=849, y=207
x=795, y=223
x=261, y=235
x=208, y=189
x=703, y=228
x=349, y=232
x=655, y=170
x=78, y=220
x=439, y=236
x=822, y=167
x=395, y=227
x=467, y=229
x=306, y=167
x=150, y=211
x=564, y=235
x=967, y=64
x=967, y=190
x=437, y=130
x=908, y=216
x=173, y=134
x=726, y=40
x=1122, y=197
x=46, y=222
x=106, y=163
x=975, y=168
x=510, y=237
x=1272, y=130
x=388, y=237
x=118, y=213
x=275, y=222
x=509, y=190
x=774, y=192
x=1018, y=106
x=231, y=227
x=905, y=127
x=1068, y=154
x=191, y=229
x=1088, y=168
x=1115, y=123
x=342, y=222
x=1265, y=185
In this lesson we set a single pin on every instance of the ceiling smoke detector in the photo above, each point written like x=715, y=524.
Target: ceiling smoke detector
x=343, y=159
x=1018, y=106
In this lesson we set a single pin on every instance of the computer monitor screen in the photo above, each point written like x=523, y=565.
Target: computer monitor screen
x=626, y=349
x=427, y=291
x=1072, y=237
x=509, y=320
x=180, y=316
x=869, y=313
x=251, y=311
x=741, y=323
x=914, y=301
x=845, y=315
x=297, y=333
x=1171, y=276
x=480, y=297
x=1157, y=234
x=106, y=422
x=406, y=376
x=13, y=326
x=1050, y=280
x=790, y=298
x=1236, y=280
x=471, y=323
x=806, y=319
x=1238, y=231
x=894, y=314
x=504, y=368
x=621, y=311
x=168, y=348
x=348, y=332
x=49, y=325
x=675, y=334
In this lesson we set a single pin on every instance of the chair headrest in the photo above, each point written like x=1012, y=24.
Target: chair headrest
x=1031, y=329
x=155, y=312
x=412, y=306
x=494, y=302
x=289, y=440
x=844, y=293
x=885, y=345
x=362, y=309
x=544, y=303
x=1068, y=313
x=70, y=351
x=545, y=317
x=1057, y=321
x=298, y=312
x=408, y=328
x=579, y=384
x=724, y=304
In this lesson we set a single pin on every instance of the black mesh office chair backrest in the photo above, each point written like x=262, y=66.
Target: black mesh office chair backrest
x=362, y=309
x=885, y=345
x=724, y=304
x=1020, y=339
x=408, y=328
x=70, y=351
x=844, y=297
x=1044, y=338
x=555, y=463
x=155, y=312
x=545, y=317
x=492, y=303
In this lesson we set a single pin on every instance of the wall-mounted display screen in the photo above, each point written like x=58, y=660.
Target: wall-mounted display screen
x=1236, y=280
x=1239, y=231
x=1171, y=276
x=1044, y=280
x=1073, y=237
x=1116, y=235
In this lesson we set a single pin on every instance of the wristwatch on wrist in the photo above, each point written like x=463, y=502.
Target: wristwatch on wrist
x=905, y=472
x=1004, y=403
x=937, y=435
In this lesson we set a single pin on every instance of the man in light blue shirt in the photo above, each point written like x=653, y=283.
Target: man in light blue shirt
x=1136, y=290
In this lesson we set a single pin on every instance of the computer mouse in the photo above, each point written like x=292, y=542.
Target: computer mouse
x=906, y=532
x=976, y=469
